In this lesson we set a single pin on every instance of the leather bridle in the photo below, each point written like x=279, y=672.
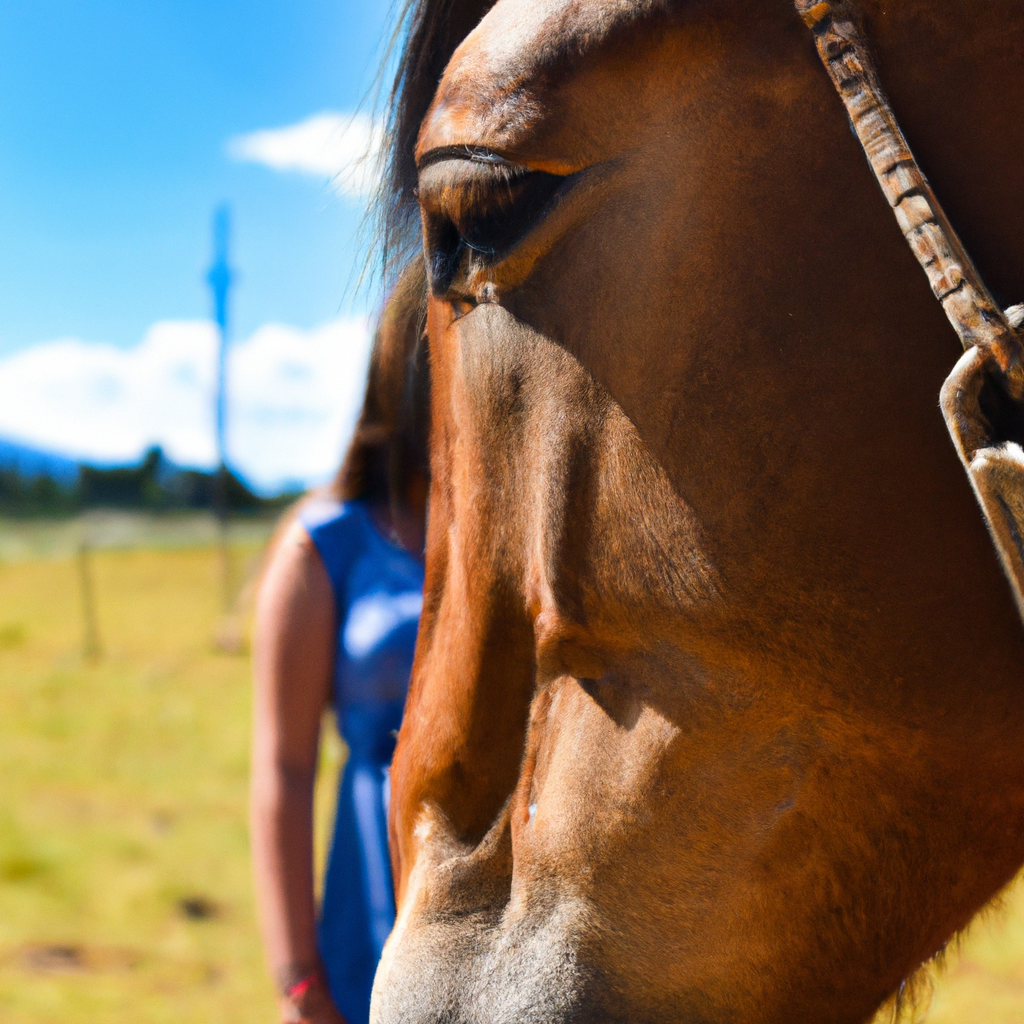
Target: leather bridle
x=991, y=371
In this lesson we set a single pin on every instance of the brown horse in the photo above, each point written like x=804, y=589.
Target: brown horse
x=718, y=706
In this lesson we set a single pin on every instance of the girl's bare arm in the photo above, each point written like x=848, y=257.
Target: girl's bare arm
x=293, y=664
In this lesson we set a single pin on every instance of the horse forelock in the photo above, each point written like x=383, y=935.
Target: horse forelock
x=430, y=31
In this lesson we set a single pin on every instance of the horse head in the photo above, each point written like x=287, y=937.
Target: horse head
x=717, y=710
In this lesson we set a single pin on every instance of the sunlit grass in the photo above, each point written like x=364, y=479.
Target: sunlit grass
x=982, y=979
x=125, y=889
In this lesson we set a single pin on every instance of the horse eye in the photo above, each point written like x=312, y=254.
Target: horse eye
x=479, y=210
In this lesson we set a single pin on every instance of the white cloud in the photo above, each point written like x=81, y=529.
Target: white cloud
x=293, y=397
x=342, y=147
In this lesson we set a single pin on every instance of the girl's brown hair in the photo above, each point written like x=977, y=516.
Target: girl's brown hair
x=388, y=452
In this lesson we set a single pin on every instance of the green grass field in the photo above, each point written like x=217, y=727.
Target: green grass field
x=125, y=892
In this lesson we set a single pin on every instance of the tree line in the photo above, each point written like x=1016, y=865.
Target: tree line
x=155, y=484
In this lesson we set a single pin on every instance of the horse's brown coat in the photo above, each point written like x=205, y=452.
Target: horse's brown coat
x=717, y=712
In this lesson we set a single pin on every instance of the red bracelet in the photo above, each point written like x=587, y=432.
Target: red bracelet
x=300, y=988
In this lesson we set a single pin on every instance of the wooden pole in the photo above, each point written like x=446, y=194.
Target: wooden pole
x=91, y=634
x=221, y=512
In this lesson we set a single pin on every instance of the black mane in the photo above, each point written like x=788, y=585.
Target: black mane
x=432, y=31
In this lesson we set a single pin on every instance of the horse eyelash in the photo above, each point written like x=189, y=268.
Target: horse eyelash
x=485, y=216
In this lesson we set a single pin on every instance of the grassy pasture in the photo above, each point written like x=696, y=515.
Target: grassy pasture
x=124, y=879
x=125, y=892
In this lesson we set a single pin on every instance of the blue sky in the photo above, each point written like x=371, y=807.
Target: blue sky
x=123, y=125
x=112, y=157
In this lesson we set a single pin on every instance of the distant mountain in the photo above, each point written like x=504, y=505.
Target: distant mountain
x=27, y=461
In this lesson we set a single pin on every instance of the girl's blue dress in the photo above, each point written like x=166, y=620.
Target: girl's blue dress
x=378, y=592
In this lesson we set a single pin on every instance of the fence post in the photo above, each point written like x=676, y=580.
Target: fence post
x=91, y=635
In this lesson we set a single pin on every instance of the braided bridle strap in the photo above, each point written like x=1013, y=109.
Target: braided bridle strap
x=991, y=371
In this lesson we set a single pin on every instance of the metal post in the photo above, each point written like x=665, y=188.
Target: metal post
x=220, y=278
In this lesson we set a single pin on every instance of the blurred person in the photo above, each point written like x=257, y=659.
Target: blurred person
x=336, y=623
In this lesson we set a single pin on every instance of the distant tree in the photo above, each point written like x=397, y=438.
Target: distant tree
x=124, y=486
x=33, y=495
x=154, y=484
